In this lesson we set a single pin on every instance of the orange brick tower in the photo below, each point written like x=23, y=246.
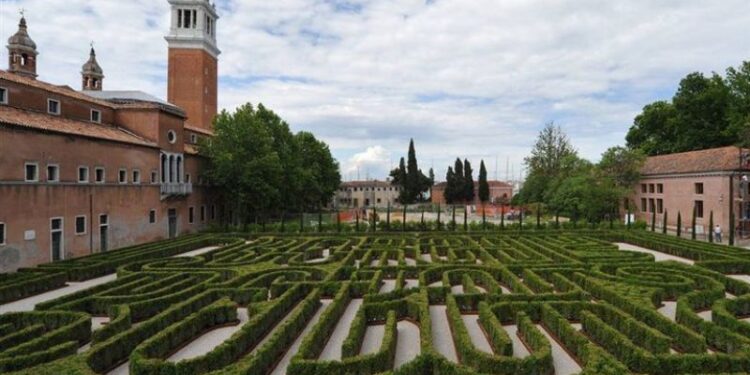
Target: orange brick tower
x=193, y=56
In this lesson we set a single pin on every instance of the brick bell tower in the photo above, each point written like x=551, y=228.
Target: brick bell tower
x=193, y=56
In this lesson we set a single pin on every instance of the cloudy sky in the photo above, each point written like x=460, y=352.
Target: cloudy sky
x=474, y=79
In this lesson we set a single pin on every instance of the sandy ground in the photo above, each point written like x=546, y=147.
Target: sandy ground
x=519, y=349
x=505, y=290
x=123, y=369
x=729, y=296
x=577, y=326
x=326, y=254
x=657, y=255
x=389, y=285
x=669, y=310
x=427, y=258
x=476, y=334
x=392, y=262
x=208, y=341
x=436, y=284
x=564, y=363
x=284, y=363
x=457, y=289
x=374, y=262
x=706, y=315
x=410, y=262
x=407, y=345
x=332, y=350
x=441, y=333
x=411, y=283
x=373, y=339
x=27, y=304
x=197, y=252
x=745, y=278
x=480, y=289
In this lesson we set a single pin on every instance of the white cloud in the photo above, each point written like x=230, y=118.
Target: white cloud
x=373, y=162
x=473, y=79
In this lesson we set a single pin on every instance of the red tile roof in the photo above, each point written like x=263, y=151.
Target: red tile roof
x=711, y=160
x=60, y=90
x=492, y=183
x=37, y=121
x=198, y=130
x=373, y=183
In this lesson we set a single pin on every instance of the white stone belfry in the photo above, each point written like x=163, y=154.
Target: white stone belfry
x=193, y=26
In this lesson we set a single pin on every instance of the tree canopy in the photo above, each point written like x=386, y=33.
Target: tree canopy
x=484, y=187
x=705, y=112
x=258, y=165
x=413, y=184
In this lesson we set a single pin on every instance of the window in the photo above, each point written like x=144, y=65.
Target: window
x=154, y=175
x=152, y=216
x=3, y=95
x=53, y=106
x=191, y=215
x=81, y=224
x=660, y=206
x=699, y=209
x=99, y=175
x=187, y=178
x=123, y=176
x=660, y=188
x=136, y=176
x=644, y=188
x=83, y=174
x=651, y=188
x=213, y=212
x=2, y=234
x=171, y=136
x=103, y=219
x=203, y=213
x=193, y=138
x=96, y=116
x=698, y=188
x=643, y=204
x=651, y=205
x=53, y=173
x=31, y=172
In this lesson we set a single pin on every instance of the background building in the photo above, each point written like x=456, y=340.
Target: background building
x=93, y=170
x=500, y=193
x=713, y=180
x=363, y=194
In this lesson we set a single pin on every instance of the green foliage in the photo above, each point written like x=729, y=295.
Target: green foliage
x=484, y=187
x=412, y=182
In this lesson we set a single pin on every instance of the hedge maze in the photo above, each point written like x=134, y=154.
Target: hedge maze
x=537, y=302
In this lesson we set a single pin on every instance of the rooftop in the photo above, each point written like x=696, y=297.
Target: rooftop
x=491, y=183
x=711, y=160
x=368, y=183
x=131, y=99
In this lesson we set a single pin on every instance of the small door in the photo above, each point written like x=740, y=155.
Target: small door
x=172, y=214
x=56, y=230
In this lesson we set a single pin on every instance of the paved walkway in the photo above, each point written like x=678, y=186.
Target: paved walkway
x=208, y=341
x=658, y=256
x=287, y=358
x=408, y=343
x=563, y=362
x=28, y=304
x=519, y=349
x=476, y=334
x=373, y=339
x=389, y=285
x=669, y=310
x=411, y=283
x=326, y=254
x=195, y=253
x=441, y=333
x=332, y=350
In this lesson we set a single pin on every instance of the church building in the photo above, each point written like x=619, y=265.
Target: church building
x=91, y=170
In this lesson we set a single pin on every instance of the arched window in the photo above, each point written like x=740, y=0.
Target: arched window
x=163, y=168
x=179, y=169
x=24, y=59
x=171, y=168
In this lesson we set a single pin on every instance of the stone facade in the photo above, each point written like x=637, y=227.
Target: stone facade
x=89, y=171
x=364, y=194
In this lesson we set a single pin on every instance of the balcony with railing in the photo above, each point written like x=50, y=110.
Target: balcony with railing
x=176, y=188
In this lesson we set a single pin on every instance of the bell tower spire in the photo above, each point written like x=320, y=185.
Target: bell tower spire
x=92, y=74
x=22, y=51
x=193, y=60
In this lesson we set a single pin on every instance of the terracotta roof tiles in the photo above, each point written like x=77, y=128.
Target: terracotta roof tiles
x=710, y=160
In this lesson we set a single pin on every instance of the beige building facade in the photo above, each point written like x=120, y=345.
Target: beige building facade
x=365, y=194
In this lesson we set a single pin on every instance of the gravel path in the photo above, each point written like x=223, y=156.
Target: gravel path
x=669, y=310
x=287, y=358
x=411, y=283
x=657, y=255
x=332, y=350
x=436, y=284
x=197, y=252
x=392, y=262
x=457, y=289
x=326, y=254
x=410, y=262
x=578, y=326
x=427, y=258
x=564, y=363
x=208, y=341
x=745, y=278
x=519, y=349
x=441, y=333
x=373, y=339
x=407, y=345
x=28, y=304
x=505, y=290
x=481, y=289
x=389, y=285
x=96, y=323
x=476, y=334
x=706, y=315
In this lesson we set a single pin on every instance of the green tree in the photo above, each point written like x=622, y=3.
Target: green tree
x=552, y=158
x=318, y=172
x=654, y=131
x=412, y=182
x=468, y=189
x=484, y=187
x=450, y=189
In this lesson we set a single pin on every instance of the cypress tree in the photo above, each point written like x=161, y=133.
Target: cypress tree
x=695, y=213
x=466, y=222
x=653, y=221
x=711, y=227
x=484, y=219
x=413, y=175
x=679, y=224
x=484, y=186
x=665, y=221
x=449, y=194
x=458, y=182
x=468, y=182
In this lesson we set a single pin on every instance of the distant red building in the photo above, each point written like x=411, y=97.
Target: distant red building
x=500, y=192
